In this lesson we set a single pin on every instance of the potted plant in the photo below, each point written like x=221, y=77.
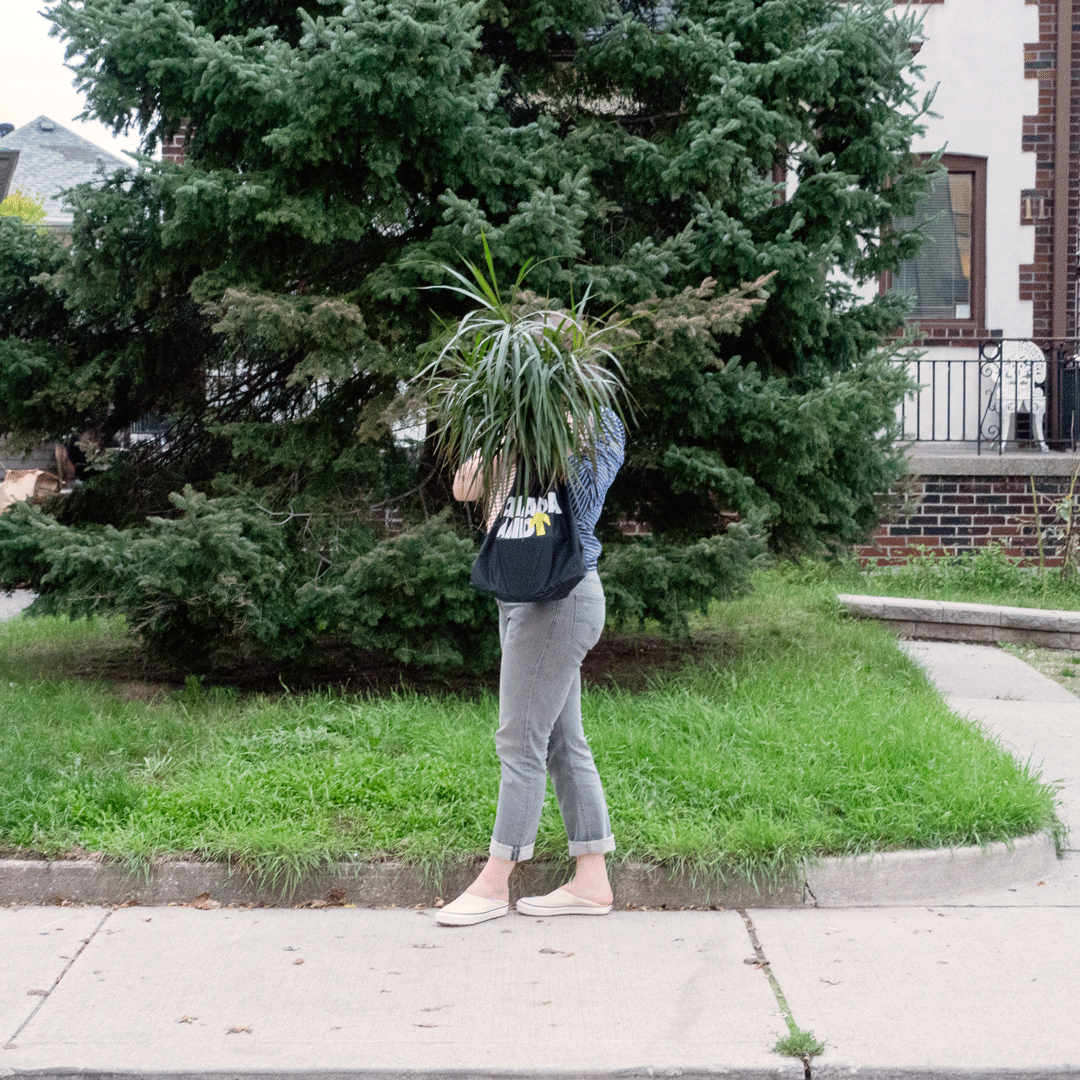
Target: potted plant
x=517, y=380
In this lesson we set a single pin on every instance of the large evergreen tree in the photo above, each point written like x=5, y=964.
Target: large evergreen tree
x=268, y=294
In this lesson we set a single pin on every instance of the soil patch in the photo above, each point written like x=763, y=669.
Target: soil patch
x=627, y=662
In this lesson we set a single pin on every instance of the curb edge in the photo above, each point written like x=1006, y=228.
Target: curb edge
x=873, y=880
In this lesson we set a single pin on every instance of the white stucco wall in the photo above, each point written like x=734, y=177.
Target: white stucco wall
x=973, y=54
x=973, y=57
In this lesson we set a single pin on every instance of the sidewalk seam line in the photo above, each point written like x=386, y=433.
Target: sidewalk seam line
x=56, y=982
x=774, y=983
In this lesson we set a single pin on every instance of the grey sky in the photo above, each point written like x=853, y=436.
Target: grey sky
x=34, y=80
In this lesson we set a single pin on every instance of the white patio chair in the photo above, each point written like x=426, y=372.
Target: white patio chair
x=1023, y=379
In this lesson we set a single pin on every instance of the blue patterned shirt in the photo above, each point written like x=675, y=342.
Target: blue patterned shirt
x=589, y=487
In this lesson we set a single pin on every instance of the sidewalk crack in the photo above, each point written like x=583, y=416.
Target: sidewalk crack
x=798, y=1043
x=10, y=1044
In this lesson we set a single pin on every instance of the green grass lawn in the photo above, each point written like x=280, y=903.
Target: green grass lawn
x=794, y=732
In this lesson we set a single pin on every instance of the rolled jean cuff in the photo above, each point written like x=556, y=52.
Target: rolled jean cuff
x=592, y=847
x=511, y=854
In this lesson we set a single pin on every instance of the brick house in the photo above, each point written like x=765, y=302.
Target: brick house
x=48, y=159
x=994, y=431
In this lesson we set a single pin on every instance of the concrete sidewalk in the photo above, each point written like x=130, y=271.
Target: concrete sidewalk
x=973, y=984
x=942, y=992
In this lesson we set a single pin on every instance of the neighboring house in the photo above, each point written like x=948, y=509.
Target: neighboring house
x=49, y=160
x=8, y=160
x=992, y=66
x=995, y=290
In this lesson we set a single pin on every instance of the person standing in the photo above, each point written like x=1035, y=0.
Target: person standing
x=540, y=729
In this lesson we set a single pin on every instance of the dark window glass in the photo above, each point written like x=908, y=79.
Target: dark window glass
x=940, y=278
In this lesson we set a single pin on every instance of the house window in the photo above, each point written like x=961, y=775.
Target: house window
x=947, y=280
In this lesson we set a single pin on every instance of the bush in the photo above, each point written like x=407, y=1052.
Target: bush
x=648, y=580
x=410, y=597
x=208, y=588
x=225, y=583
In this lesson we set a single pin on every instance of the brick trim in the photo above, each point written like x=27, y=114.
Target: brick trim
x=1035, y=282
x=175, y=149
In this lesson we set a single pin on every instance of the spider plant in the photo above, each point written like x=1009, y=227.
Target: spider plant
x=518, y=380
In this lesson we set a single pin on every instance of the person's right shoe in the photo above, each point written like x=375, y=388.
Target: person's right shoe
x=560, y=902
x=467, y=910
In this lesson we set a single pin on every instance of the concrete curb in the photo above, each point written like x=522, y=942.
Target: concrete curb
x=916, y=1072
x=905, y=877
x=883, y=879
x=787, y=1069
x=944, y=620
x=389, y=884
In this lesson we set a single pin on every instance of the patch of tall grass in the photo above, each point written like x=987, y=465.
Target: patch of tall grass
x=983, y=575
x=799, y=734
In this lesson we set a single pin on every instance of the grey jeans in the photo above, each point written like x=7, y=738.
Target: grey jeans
x=540, y=730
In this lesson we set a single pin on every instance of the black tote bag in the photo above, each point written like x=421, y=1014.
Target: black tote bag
x=532, y=552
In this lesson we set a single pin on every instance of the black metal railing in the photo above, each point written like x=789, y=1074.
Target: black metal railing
x=148, y=428
x=1017, y=393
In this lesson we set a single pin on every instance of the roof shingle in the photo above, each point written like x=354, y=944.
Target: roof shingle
x=52, y=159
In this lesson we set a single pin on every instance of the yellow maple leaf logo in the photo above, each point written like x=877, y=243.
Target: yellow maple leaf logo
x=538, y=521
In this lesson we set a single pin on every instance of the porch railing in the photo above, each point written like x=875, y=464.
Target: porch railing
x=1018, y=393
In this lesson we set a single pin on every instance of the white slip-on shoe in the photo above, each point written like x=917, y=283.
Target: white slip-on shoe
x=468, y=909
x=560, y=902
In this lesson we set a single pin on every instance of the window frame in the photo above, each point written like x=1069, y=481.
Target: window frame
x=974, y=166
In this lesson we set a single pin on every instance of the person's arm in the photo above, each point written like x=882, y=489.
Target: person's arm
x=598, y=454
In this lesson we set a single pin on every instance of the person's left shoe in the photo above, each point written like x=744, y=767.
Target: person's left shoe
x=560, y=902
x=468, y=909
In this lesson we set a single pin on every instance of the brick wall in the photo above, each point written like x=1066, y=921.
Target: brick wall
x=1037, y=203
x=175, y=149
x=948, y=515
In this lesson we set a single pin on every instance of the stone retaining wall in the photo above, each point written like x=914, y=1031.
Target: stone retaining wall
x=942, y=620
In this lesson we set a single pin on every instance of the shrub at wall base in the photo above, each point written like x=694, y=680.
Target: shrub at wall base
x=226, y=584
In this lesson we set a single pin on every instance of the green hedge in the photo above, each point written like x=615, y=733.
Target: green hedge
x=224, y=582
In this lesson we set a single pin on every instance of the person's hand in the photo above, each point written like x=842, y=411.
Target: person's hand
x=467, y=486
